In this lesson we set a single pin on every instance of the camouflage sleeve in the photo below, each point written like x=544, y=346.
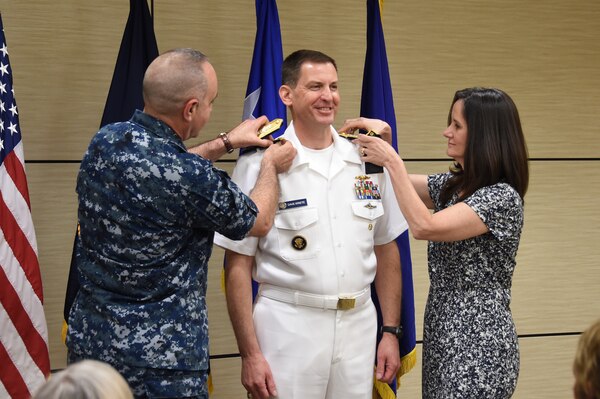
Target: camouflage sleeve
x=244, y=175
x=212, y=200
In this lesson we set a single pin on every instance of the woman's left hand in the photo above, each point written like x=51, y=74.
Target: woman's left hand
x=380, y=127
x=374, y=150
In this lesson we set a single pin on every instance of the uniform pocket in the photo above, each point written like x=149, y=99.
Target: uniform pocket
x=366, y=215
x=369, y=210
x=297, y=231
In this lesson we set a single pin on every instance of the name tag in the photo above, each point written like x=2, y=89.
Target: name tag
x=293, y=204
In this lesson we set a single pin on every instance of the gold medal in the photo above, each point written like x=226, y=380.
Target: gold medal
x=269, y=128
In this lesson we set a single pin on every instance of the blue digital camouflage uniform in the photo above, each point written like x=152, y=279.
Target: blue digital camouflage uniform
x=148, y=211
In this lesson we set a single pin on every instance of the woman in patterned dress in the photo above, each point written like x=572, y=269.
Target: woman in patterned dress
x=470, y=347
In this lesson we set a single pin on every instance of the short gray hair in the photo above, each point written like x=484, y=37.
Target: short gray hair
x=87, y=379
x=173, y=78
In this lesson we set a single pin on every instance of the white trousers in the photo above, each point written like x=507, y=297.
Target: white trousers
x=315, y=353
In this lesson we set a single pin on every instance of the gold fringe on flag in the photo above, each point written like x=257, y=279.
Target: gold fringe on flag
x=382, y=390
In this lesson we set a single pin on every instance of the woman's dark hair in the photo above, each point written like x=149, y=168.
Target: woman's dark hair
x=495, y=149
x=290, y=70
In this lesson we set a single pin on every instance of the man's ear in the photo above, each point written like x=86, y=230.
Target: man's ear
x=285, y=93
x=190, y=107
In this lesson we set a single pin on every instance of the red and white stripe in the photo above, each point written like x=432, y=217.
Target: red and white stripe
x=24, y=360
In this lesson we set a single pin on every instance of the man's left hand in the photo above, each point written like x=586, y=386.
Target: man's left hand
x=388, y=358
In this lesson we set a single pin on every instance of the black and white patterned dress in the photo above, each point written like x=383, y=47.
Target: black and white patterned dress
x=470, y=347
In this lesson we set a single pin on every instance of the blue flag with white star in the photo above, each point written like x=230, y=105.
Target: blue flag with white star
x=262, y=94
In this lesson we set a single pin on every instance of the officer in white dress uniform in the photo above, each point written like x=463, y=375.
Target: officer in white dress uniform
x=311, y=332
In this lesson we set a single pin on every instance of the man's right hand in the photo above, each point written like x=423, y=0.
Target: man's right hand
x=281, y=155
x=257, y=377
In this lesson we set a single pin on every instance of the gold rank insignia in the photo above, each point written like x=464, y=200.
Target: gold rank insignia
x=299, y=243
x=349, y=136
x=269, y=128
x=352, y=136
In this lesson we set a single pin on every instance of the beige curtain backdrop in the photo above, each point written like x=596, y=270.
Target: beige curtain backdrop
x=545, y=54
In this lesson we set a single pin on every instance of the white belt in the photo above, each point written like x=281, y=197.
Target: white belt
x=341, y=302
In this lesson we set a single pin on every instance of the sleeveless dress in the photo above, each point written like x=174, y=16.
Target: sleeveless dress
x=470, y=347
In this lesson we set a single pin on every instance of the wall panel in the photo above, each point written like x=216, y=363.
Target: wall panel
x=226, y=378
x=222, y=339
x=63, y=57
x=54, y=211
x=556, y=285
x=546, y=364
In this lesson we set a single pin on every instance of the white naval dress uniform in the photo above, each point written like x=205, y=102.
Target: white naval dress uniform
x=319, y=249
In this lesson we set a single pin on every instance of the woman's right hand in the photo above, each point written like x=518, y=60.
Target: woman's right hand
x=375, y=150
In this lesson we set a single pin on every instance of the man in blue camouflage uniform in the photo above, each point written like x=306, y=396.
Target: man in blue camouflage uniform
x=148, y=210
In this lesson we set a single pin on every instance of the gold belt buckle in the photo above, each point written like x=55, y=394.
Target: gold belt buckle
x=346, y=303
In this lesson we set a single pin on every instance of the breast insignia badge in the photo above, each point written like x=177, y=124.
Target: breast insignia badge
x=299, y=243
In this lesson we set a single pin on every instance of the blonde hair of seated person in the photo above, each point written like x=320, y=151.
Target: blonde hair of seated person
x=586, y=366
x=87, y=379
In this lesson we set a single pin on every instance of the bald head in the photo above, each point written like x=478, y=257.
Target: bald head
x=172, y=79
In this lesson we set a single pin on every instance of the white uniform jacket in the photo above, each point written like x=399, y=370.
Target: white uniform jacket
x=323, y=234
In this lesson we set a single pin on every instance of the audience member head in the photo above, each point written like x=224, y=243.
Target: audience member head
x=586, y=366
x=87, y=379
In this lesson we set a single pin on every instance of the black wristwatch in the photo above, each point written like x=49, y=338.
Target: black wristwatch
x=396, y=330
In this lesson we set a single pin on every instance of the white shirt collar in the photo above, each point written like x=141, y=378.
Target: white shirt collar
x=344, y=150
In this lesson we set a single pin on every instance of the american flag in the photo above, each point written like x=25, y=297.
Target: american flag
x=24, y=360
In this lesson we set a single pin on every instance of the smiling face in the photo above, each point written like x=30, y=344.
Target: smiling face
x=456, y=133
x=315, y=98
